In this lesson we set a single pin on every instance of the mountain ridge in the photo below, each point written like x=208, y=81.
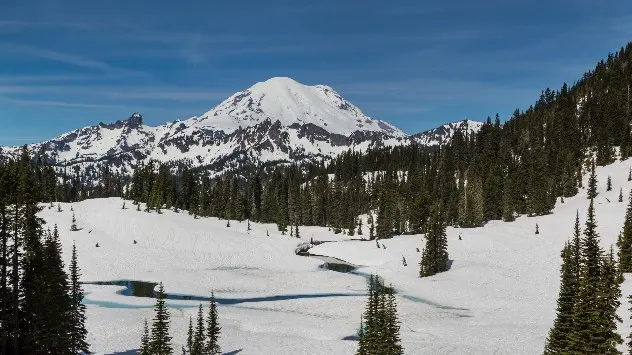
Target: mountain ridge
x=279, y=120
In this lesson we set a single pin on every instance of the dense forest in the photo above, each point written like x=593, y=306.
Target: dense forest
x=40, y=303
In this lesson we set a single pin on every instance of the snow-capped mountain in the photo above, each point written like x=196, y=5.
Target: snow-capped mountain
x=443, y=134
x=279, y=120
x=290, y=102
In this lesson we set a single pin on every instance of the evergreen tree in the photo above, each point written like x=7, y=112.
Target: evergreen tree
x=189, y=348
x=610, y=292
x=198, y=338
x=620, y=194
x=625, y=241
x=587, y=317
x=213, y=329
x=558, y=339
x=57, y=318
x=592, y=182
x=73, y=226
x=379, y=326
x=537, y=229
x=145, y=348
x=434, y=258
x=160, y=341
x=609, y=184
x=78, y=331
x=391, y=339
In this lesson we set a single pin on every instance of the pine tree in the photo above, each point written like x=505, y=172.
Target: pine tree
x=537, y=229
x=379, y=326
x=630, y=174
x=620, y=194
x=587, y=317
x=198, y=338
x=610, y=292
x=362, y=346
x=625, y=242
x=368, y=342
x=73, y=226
x=558, y=339
x=434, y=258
x=57, y=316
x=189, y=347
x=592, y=183
x=58, y=207
x=391, y=339
x=145, y=348
x=160, y=341
x=78, y=331
x=296, y=233
x=609, y=184
x=213, y=329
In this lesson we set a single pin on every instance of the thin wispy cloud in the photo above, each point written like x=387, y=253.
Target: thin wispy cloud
x=16, y=24
x=120, y=92
x=66, y=58
x=62, y=104
x=30, y=79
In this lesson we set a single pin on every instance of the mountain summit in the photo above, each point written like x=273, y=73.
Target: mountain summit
x=291, y=102
x=278, y=120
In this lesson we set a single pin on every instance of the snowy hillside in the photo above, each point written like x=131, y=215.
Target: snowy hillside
x=279, y=120
x=290, y=102
x=498, y=297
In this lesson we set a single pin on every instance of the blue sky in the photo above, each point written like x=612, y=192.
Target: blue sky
x=65, y=64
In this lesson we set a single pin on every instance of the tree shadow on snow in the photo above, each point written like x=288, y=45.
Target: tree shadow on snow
x=233, y=352
x=450, y=261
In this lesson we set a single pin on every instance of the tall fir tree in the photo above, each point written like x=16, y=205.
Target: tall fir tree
x=160, y=341
x=434, y=258
x=587, y=317
x=145, y=348
x=198, y=336
x=558, y=339
x=213, y=329
x=610, y=293
x=592, y=182
x=625, y=240
x=78, y=331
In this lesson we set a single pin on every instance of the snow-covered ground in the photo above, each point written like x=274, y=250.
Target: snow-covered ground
x=498, y=298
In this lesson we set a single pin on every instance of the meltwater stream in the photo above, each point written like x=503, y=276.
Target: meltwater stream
x=146, y=289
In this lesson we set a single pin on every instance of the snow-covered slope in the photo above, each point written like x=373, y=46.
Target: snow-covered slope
x=290, y=102
x=498, y=297
x=442, y=135
x=279, y=120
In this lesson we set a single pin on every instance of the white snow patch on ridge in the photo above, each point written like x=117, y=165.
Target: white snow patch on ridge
x=290, y=102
